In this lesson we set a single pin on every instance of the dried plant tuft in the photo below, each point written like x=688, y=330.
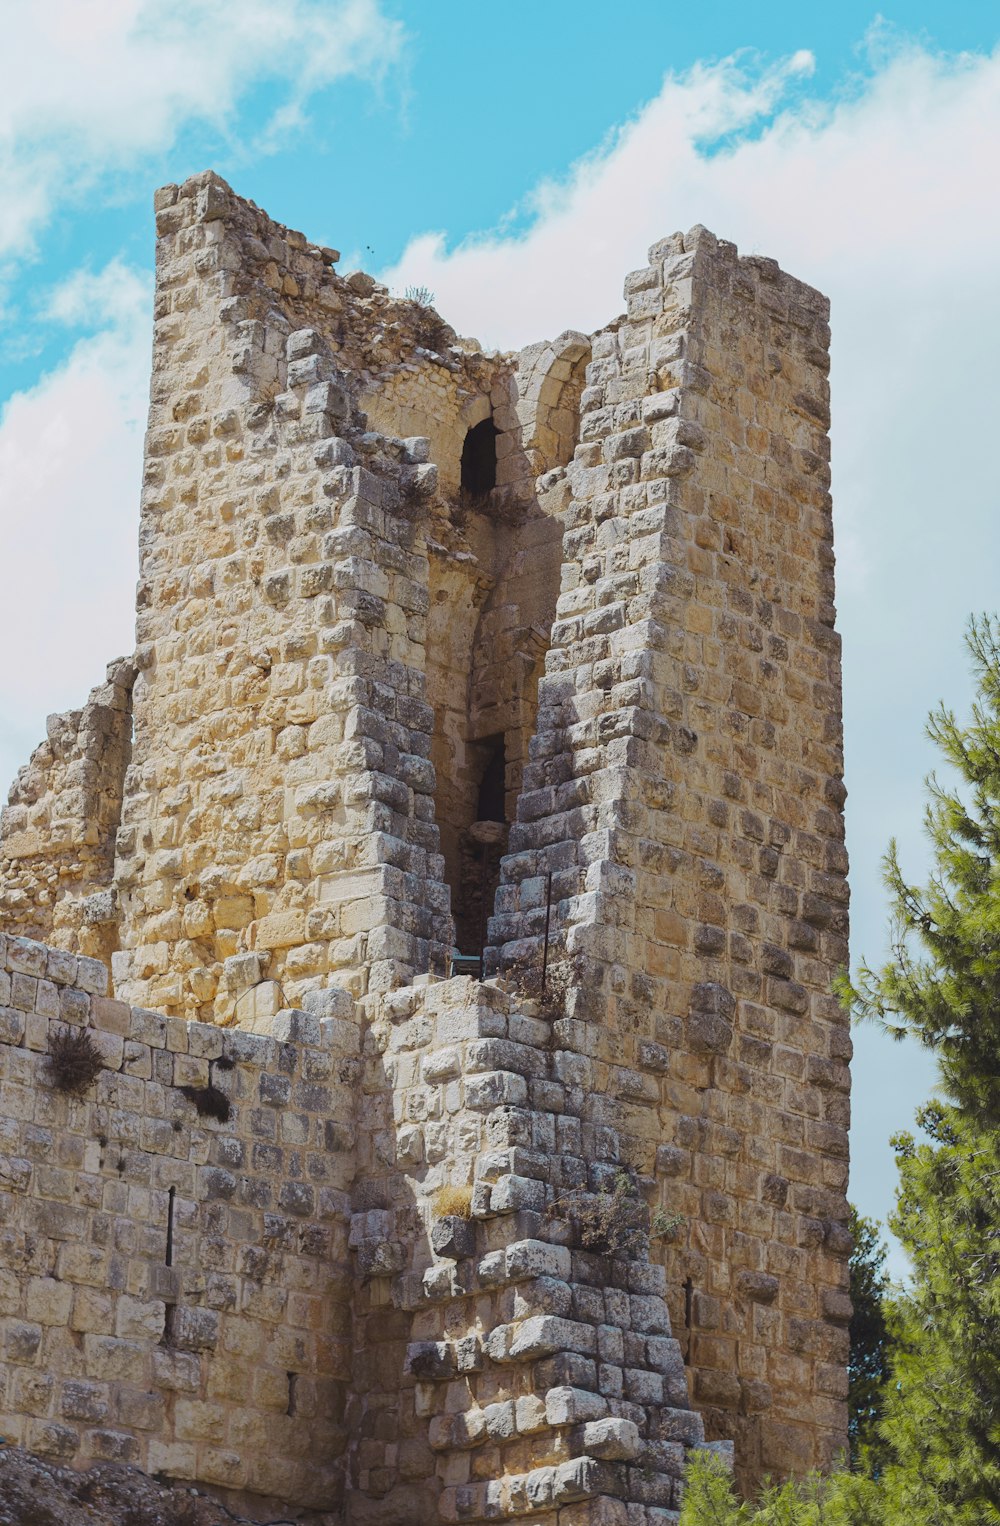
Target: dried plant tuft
x=209, y=1102
x=74, y=1060
x=454, y=1202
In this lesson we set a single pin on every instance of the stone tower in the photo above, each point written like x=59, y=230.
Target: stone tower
x=468, y=818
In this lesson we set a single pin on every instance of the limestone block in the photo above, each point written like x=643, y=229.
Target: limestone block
x=610, y=1439
x=535, y=1258
x=543, y=1334
x=513, y=1193
x=431, y=1361
x=48, y=1302
x=453, y=1237
x=495, y=1089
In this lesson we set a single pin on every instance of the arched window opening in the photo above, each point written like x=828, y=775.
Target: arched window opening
x=479, y=459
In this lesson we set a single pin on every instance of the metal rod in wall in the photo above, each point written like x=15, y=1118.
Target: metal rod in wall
x=171, y=1195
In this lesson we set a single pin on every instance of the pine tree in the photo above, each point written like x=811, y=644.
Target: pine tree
x=942, y=985
x=868, y=1364
x=843, y=1499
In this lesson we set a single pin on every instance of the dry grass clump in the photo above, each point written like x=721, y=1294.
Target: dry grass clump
x=615, y=1221
x=453, y=1202
x=74, y=1060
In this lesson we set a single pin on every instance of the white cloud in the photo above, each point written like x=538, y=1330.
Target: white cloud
x=832, y=189
x=89, y=87
x=70, y=468
x=886, y=199
x=118, y=297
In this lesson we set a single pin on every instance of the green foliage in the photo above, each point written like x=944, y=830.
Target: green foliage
x=942, y=1405
x=843, y=1499
x=942, y=985
x=868, y=1364
x=935, y=1452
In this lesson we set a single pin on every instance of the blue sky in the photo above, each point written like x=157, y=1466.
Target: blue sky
x=518, y=161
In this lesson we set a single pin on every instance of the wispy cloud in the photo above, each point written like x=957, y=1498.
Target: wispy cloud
x=70, y=468
x=89, y=87
x=91, y=91
x=832, y=188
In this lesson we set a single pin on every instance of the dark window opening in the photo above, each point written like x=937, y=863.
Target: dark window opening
x=479, y=459
x=169, y=1319
x=491, y=805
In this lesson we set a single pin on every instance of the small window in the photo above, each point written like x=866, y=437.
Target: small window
x=491, y=788
x=479, y=459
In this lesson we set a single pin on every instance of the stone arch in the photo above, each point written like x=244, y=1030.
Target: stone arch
x=476, y=411
x=428, y=401
x=551, y=377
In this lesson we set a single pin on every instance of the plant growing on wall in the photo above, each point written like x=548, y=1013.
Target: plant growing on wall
x=615, y=1221
x=453, y=1202
x=74, y=1061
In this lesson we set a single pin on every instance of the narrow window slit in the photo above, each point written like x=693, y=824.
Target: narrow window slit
x=491, y=804
x=167, y=1338
x=292, y=1384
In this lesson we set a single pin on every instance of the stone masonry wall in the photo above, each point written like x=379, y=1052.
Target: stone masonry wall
x=686, y=793
x=332, y=635
x=57, y=832
x=278, y=820
x=279, y=1305
x=281, y=817
x=227, y=1357
x=507, y=1363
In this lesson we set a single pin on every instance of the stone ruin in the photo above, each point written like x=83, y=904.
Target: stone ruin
x=464, y=840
